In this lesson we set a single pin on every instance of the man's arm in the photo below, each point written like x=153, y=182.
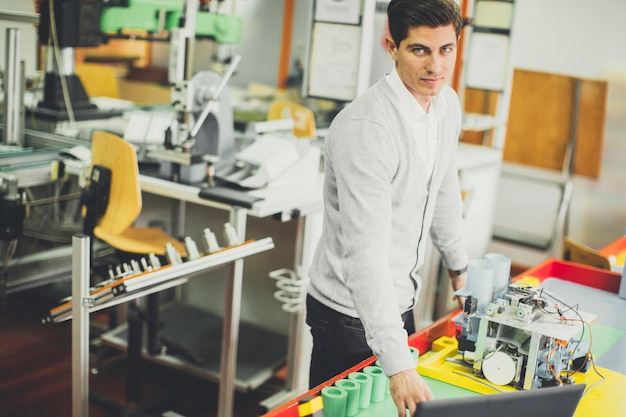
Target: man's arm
x=366, y=164
x=408, y=387
x=458, y=280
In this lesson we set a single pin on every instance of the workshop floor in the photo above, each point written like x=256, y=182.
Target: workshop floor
x=35, y=372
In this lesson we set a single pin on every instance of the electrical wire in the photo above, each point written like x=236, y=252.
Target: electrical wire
x=602, y=378
x=562, y=317
x=589, y=355
x=57, y=56
x=551, y=367
x=38, y=82
x=541, y=301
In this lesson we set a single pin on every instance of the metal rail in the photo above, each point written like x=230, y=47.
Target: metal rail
x=85, y=301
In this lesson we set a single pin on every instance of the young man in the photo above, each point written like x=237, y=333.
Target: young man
x=390, y=180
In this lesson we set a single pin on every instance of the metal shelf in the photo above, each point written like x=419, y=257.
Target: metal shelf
x=260, y=352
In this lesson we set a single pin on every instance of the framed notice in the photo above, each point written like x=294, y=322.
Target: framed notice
x=488, y=62
x=338, y=11
x=334, y=61
x=493, y=14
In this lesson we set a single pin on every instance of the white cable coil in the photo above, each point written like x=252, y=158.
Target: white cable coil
x=291, y=289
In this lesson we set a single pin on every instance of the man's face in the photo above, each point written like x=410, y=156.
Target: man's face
x=425, y=60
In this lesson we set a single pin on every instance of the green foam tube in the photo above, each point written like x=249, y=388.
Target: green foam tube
x=335, y=399
x=379, y=382
x=365, y=393
x=353, y=389
x=377, y=363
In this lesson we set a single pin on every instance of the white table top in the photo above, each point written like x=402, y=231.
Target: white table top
x=305, y=197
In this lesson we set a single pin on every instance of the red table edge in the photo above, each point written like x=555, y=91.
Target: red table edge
x=422, y=340
x=589, y=276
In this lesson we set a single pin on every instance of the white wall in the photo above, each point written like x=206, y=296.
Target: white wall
x=573, y=37
x=261, y=37
x=27, y=35
x=584, y=39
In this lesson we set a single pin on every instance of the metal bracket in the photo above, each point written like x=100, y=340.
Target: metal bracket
x=89, y=302
x=119, y=289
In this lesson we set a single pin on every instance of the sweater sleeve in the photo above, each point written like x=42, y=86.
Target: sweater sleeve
x=365, y=168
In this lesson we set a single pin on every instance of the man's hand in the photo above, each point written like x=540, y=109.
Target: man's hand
x=458, y=282
x=407, y=389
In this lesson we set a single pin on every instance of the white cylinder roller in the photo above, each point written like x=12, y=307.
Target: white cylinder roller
x=499, y=368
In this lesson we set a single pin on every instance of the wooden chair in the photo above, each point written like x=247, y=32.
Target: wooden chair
x=303, y=117
x=112, y=203
x=576, y=252
x=114, y=222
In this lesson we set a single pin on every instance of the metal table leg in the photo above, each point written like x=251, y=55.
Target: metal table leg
x=230, y=330
x=299, y=344
x=80, y=325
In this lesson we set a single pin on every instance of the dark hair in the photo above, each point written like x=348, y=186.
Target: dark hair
x=405, y=14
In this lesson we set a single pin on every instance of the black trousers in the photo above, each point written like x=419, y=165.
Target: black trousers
x=338, y=340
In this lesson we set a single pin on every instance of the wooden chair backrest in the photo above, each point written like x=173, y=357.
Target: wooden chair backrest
x=115, y=153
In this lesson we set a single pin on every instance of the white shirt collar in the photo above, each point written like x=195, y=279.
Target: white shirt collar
x=410, y=105
x=424, y=125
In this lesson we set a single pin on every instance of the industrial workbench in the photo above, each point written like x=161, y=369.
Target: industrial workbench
x=593, y=289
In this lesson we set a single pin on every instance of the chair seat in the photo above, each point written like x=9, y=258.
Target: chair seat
x=141, y=240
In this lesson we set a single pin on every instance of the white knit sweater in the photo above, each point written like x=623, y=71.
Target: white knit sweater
x=379, y=205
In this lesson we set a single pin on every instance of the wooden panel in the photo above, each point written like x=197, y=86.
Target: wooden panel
x=480, y=101
x=539, y=124
x=538, y=127
x=593, y=96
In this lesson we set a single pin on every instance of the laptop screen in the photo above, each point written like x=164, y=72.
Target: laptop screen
x=548, y=402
